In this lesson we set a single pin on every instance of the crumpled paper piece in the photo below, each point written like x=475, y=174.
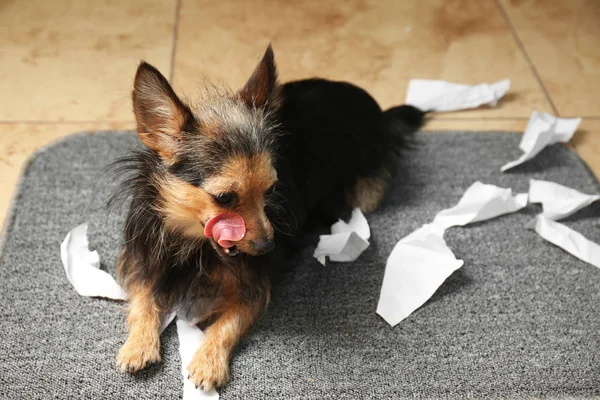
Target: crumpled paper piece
x=416, y=268
x=559, y=202
x=421, y=261
x=543, y=130
x=480, y=202
x=81, y=267
x=347, y=240
x=437, y=95
x=568, y=239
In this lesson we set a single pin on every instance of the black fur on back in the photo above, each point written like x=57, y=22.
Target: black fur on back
x=335, y=133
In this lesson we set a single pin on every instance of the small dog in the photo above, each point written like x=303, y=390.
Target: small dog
x=221, y=190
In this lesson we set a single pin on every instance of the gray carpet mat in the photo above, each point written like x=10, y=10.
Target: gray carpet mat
x=519, y=319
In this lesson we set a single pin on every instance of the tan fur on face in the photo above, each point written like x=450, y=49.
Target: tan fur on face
x=186, y=206
x=249, y=178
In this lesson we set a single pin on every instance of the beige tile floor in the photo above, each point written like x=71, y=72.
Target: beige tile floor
x=67, y=65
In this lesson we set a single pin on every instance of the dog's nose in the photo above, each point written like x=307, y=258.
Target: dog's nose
x=263, y=246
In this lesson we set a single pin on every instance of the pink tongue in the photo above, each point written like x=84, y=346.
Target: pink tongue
x=226, y=229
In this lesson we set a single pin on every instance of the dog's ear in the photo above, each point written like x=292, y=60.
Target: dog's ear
x=159, y=113
x=261, y=86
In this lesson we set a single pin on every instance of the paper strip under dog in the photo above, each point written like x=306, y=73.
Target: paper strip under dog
x=346, y=242
x=190, y=339
x=81, y=267
x=543, y=130
x=436, y=95
x=421, y=261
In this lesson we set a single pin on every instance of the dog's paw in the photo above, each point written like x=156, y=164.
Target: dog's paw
x=209, y=368
x=135, y=355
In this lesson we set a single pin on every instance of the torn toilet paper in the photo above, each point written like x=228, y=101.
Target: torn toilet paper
x=416, y=268
x=421, y=261
x=81, y=267
x=568, y=239
x=436, y=95
x=479, y=203
x=347, y=240
x=560, y=202
x=543, y=130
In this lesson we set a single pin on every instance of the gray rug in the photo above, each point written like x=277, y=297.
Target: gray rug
x=520, y=319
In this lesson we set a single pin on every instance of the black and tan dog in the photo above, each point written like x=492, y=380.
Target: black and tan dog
x=222, y=188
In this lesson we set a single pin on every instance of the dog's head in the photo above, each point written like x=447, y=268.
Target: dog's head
x=216, y=159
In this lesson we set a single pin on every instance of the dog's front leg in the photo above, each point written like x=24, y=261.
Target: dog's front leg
x=143, y=344
x=209, y=367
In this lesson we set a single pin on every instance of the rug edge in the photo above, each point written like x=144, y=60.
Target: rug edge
x=9, y=218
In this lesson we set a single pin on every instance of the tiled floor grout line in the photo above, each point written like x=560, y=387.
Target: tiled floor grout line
x=526, y=55
x=174, y=43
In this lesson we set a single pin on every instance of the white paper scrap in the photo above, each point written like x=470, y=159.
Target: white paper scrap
x=347, y=240
x=166, y=321
x=543, y=130
x=416, y=268
x=190, y=339
x=479, y=203
x=568, y=240
x=82, y=267
x=358, y=223
x=437, y=95
x=558, y=201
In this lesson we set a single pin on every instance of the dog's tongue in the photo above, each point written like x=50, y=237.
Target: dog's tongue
x=226, y=229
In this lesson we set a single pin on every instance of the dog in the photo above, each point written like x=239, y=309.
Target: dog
x=222, y=189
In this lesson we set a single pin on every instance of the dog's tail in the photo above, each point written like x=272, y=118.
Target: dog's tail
x=402, y=122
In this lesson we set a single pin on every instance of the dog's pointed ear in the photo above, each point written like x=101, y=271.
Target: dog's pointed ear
x=159, y=113
x=262, y=83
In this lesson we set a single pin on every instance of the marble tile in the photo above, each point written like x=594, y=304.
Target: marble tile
x=378, y=45
x=562, y=39
x=19, y=141
x=72, y=60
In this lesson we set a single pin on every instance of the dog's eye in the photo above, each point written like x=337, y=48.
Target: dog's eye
x=270, y=190
x=225, y=199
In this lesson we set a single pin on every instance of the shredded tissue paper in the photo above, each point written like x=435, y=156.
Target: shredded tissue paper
x=82, y=269
x=346, y=242
x=435, y=95
x=559, y=202
x=543, y=130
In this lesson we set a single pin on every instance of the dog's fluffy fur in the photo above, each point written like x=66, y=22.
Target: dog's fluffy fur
x=280, y=156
